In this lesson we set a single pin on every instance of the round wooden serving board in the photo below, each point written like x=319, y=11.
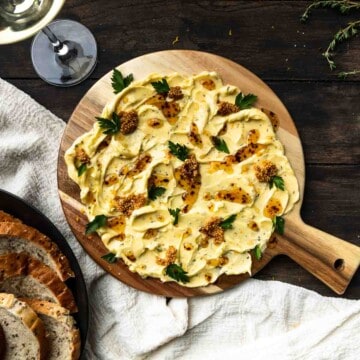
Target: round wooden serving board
x=330, y=259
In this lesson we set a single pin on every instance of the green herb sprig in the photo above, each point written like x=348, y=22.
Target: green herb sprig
x=119, y=82
x=161, y=87
x=177, y=272
x=178, y=150
x=110, y=258
x=245, y=101
x=81, y=169
x=352, y=28
x=220, y=144
x=344, y=6
x=257, y=252
x=155, y=191
x=228, y=222
x=279, y=224
x=98, y=222
x=110, y=126
x=278, y=181
x=175, y=214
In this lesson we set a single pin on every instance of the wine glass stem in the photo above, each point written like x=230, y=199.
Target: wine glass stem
x=59, y=47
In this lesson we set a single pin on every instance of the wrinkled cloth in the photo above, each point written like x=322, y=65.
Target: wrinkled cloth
x=256, y=319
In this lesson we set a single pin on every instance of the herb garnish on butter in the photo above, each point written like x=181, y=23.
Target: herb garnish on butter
x=178, y=150
x=161, y=87
x=278, y=181
x=98, y=222
x=220, y=144
x=245, y=101
x=111, y=126
x=119, y=82
x=155, y=191
x=279, y=224
x=110, y=258
x=175, y=213
x=177, y=272
x=227, y=223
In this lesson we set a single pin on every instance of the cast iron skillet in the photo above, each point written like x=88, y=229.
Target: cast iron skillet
x=30, y=216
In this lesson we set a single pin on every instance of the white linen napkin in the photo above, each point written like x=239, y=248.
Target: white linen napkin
x=256, y=319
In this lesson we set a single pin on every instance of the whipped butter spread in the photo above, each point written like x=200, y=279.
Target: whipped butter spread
x=206, y=212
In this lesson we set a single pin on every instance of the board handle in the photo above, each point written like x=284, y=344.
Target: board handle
x=332, y=260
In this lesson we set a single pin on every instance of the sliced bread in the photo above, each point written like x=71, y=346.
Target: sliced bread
x=27, y=277
x=16, y=237
x=62, y=335
x=24, y=331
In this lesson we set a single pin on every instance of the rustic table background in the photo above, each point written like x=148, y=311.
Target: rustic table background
x=267, y=38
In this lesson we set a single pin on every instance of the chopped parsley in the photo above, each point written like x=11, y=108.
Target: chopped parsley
x=175, y=213
x=161, y=87
x=110, y=258
x=257, y=252
x=119, y=82
x=245, y=101
x=279, y=224
x=155, y=191
x=220, y=144
x=177, y=272
x=278, y=181
x=81, y=169
x=227, y=223
x=110, y=126
x=178, y=150
x=98, y=222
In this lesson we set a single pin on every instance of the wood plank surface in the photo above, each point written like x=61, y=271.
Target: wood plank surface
x=264, y=34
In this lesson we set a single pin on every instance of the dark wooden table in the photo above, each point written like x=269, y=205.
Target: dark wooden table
x=267, y=38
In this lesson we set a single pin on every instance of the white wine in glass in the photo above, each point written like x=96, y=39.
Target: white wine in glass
x=63, y=52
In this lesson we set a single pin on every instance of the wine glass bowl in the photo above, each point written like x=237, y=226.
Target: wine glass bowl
x=21, y=19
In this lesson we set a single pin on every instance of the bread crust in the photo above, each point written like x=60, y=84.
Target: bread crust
x=19, y=230
x=4, y=216
x=21, y=264
x=62, y=315
x=28, y=317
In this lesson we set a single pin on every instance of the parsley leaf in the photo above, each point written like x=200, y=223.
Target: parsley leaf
x=177, y=272
x=119, y=82
x=175, y=213
x=245, y=101
x=278, y=181
x=98, y=222
x=110, y=258
x=161, y=87
x=227, y=223
x=178, y=150
x=81, y=169
x=112, y=126
x=257, y=252
x=155, y=191
x=220, y=144
x=279, y=224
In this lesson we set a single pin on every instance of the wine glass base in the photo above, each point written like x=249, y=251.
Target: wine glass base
x=77, y=68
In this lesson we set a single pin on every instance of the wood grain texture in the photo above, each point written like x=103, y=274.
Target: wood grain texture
x=301, y=237
x=325, y=109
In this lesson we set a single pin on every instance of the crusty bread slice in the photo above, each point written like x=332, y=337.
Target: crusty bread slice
x=62, y=335
x=18, y=237
x=24, y=331
x=25, y=276
x=7, y=217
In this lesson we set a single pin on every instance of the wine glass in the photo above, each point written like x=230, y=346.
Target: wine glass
x=63, y=53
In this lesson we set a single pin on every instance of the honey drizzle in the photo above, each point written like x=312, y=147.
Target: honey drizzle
x=170, y=109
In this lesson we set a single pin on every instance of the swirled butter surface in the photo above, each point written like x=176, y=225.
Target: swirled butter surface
x=232, y=157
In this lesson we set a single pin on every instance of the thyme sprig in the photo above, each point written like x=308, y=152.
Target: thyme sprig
x=344, y=6
x=343, y=34
x=352, y=28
